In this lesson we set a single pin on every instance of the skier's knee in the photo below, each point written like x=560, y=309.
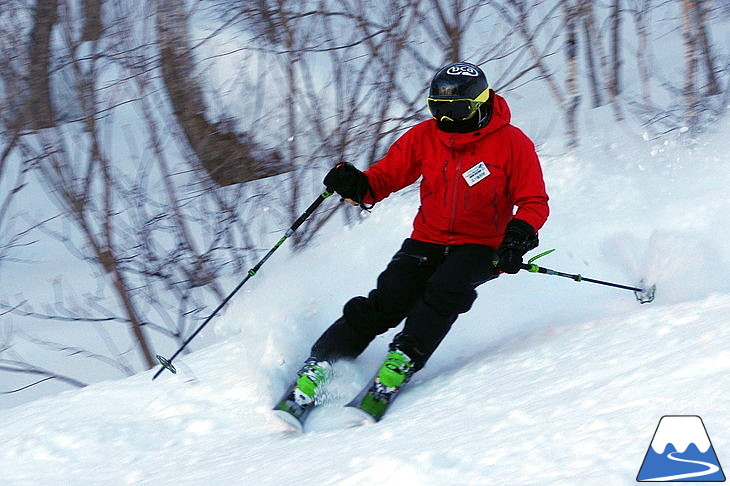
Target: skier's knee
x=448, y=302
x=363, y=317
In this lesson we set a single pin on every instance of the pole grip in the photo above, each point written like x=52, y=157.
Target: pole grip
x=308, y=212
x=532, y=268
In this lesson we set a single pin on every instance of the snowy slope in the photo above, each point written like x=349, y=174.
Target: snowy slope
x=570, y=405
x=545, y=381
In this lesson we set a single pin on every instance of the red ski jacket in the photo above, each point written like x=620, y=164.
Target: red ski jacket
x=470, y=183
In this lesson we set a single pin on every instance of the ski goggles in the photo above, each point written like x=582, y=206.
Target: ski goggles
x=456, y=109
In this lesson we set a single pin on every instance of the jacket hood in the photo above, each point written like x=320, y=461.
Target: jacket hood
x=501, y=117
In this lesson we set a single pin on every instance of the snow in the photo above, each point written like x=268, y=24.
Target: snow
x=545, y=381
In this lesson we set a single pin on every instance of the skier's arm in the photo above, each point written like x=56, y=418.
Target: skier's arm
x=400, y=168
x=527, y=189
x=526, y=184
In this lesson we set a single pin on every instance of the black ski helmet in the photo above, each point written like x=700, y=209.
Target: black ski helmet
x=458, y=91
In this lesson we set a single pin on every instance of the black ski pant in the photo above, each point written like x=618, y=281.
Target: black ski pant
x=426, y=284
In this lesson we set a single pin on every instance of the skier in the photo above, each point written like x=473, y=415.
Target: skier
x=475, y=168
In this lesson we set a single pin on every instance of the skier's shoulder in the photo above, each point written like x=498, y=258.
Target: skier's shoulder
x=514, y=133
x=415, y=135
x=424, y=128
x=517, y=138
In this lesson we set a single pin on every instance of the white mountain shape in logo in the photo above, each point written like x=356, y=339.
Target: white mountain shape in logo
x=681, y=431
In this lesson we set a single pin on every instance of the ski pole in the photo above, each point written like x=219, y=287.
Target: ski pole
x=643, y=295
x=167, y=363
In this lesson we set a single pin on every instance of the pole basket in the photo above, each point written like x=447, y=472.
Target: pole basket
x=166, y=364
x=646, y=294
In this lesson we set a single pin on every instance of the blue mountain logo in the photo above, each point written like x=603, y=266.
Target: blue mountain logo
x=681, y=451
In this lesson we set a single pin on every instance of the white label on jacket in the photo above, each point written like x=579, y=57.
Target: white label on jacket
x=476, y=173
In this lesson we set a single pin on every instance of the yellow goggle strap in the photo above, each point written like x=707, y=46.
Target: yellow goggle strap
x=473, y=104
x=483, y=96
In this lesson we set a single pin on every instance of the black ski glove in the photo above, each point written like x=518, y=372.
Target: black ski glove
x=518, y=240
x=347, y=181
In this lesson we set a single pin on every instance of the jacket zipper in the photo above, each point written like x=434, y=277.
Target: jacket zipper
x=455, y=182
x=445, y=180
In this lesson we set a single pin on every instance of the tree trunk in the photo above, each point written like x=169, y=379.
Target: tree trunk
x=451, y=29
x=227, y=157
x=705, y=47
x=93, y=26
x=689, y=91
x=592, y=50
x=642, y=50
x=571, y=74
x=40, y=107
x=614, y=80
x=137, y=329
